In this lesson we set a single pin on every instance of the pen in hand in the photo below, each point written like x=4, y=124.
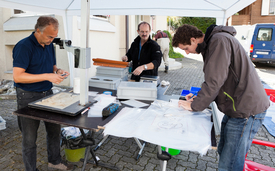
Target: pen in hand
x=193, y=95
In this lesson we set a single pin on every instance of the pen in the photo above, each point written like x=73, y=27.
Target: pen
x=194, y=95
x=85, y=110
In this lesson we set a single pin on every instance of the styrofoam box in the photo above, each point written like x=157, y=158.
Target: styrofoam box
x=104, y=82
x=112, y=72
x=137, y=90
x=2, y=123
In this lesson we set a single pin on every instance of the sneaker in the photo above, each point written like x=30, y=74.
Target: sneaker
x=61, y=166
x=166, y=69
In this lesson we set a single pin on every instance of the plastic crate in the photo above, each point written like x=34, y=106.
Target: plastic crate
x=2, y=123
x=272, y=97
x=137, y=90
x=195, y=90
x=184, y=92
x=269, y=91
x=150, y=78
x=104, y=82
x=112, y=72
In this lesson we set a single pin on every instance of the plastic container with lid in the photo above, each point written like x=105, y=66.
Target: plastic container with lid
x=137, y=90
x=195, y=90
x=104, y=82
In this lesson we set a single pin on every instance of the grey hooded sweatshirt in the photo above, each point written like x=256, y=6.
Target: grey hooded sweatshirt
x=230, y=77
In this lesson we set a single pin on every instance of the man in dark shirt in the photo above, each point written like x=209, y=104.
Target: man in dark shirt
x=34, y=71
x=144, y=52
x=163, y=41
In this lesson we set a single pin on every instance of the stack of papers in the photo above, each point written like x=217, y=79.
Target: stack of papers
x=164, y=124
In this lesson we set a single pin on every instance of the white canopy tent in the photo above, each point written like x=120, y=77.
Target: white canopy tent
x=219, y=9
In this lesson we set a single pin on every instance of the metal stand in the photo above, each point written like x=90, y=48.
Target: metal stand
x=163, y=156
x=141, y=146
x=89, y=142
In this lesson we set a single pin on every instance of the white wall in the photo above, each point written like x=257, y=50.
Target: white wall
x=104, y=44
x=10, y=38
x=161, y=23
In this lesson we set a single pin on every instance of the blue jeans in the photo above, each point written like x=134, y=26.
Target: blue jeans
x=236, y=138
x=29, y=127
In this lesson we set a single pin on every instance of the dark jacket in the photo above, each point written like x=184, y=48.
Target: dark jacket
x=150, y=52
x=230, y=77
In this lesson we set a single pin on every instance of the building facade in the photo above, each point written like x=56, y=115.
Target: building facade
x=260, y=11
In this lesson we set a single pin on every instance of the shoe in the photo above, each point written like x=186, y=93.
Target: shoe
x=166, y=69
x=61, y=166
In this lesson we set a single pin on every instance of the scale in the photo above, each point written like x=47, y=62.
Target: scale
x=150, y=78
x=63, y=102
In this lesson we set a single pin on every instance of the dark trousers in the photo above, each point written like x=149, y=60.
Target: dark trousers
x=29, y=127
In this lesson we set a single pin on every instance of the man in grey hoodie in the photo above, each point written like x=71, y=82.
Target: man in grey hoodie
x=232, y=82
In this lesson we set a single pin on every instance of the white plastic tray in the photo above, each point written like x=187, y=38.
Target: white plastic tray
x=137, y=90
x=104, y=82
x=112, y=72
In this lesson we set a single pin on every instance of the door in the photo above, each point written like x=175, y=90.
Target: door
x=263, y=44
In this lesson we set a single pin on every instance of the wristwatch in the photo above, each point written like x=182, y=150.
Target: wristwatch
x=145, y=67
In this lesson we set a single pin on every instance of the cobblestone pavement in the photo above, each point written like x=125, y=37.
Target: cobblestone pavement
x=121, y=151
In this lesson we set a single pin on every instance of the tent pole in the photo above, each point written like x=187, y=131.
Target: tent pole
x=84, y=39
x=127, y=32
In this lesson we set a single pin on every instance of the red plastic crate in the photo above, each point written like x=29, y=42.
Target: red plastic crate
x=272, y=97
x=269, y=91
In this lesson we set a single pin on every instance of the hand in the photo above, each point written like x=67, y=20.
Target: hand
x=124, y=58
x=59, y=76
x=55, y=78
x=189, y=97
x=138, y=70
x=185, y=104
x=63, y=73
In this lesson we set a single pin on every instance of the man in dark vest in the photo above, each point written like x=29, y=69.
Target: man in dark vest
x=144, y=53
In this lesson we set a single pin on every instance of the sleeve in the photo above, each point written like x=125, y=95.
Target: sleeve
x=130, y=52
x=21, y=56
x=156, y=55
x=216, y=70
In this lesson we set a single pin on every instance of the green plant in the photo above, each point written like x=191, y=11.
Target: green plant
x=200, y=22
x=172, y=53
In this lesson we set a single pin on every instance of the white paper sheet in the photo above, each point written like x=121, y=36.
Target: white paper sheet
x=92, y=93
x=102, y=102
x=164, y=125
x=134, y=103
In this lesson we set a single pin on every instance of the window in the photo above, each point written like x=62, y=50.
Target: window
x=18, y=12
x=264, y=34
x=102, y=16
x=272, y=7
x=268, y=7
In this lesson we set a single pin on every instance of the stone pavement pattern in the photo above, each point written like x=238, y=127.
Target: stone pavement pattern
x=121, y=151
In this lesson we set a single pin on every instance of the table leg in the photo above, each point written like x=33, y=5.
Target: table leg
x=95, y=162
x=86, y=158
x=141, y=146
x=163, y=162
x=101, y=142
